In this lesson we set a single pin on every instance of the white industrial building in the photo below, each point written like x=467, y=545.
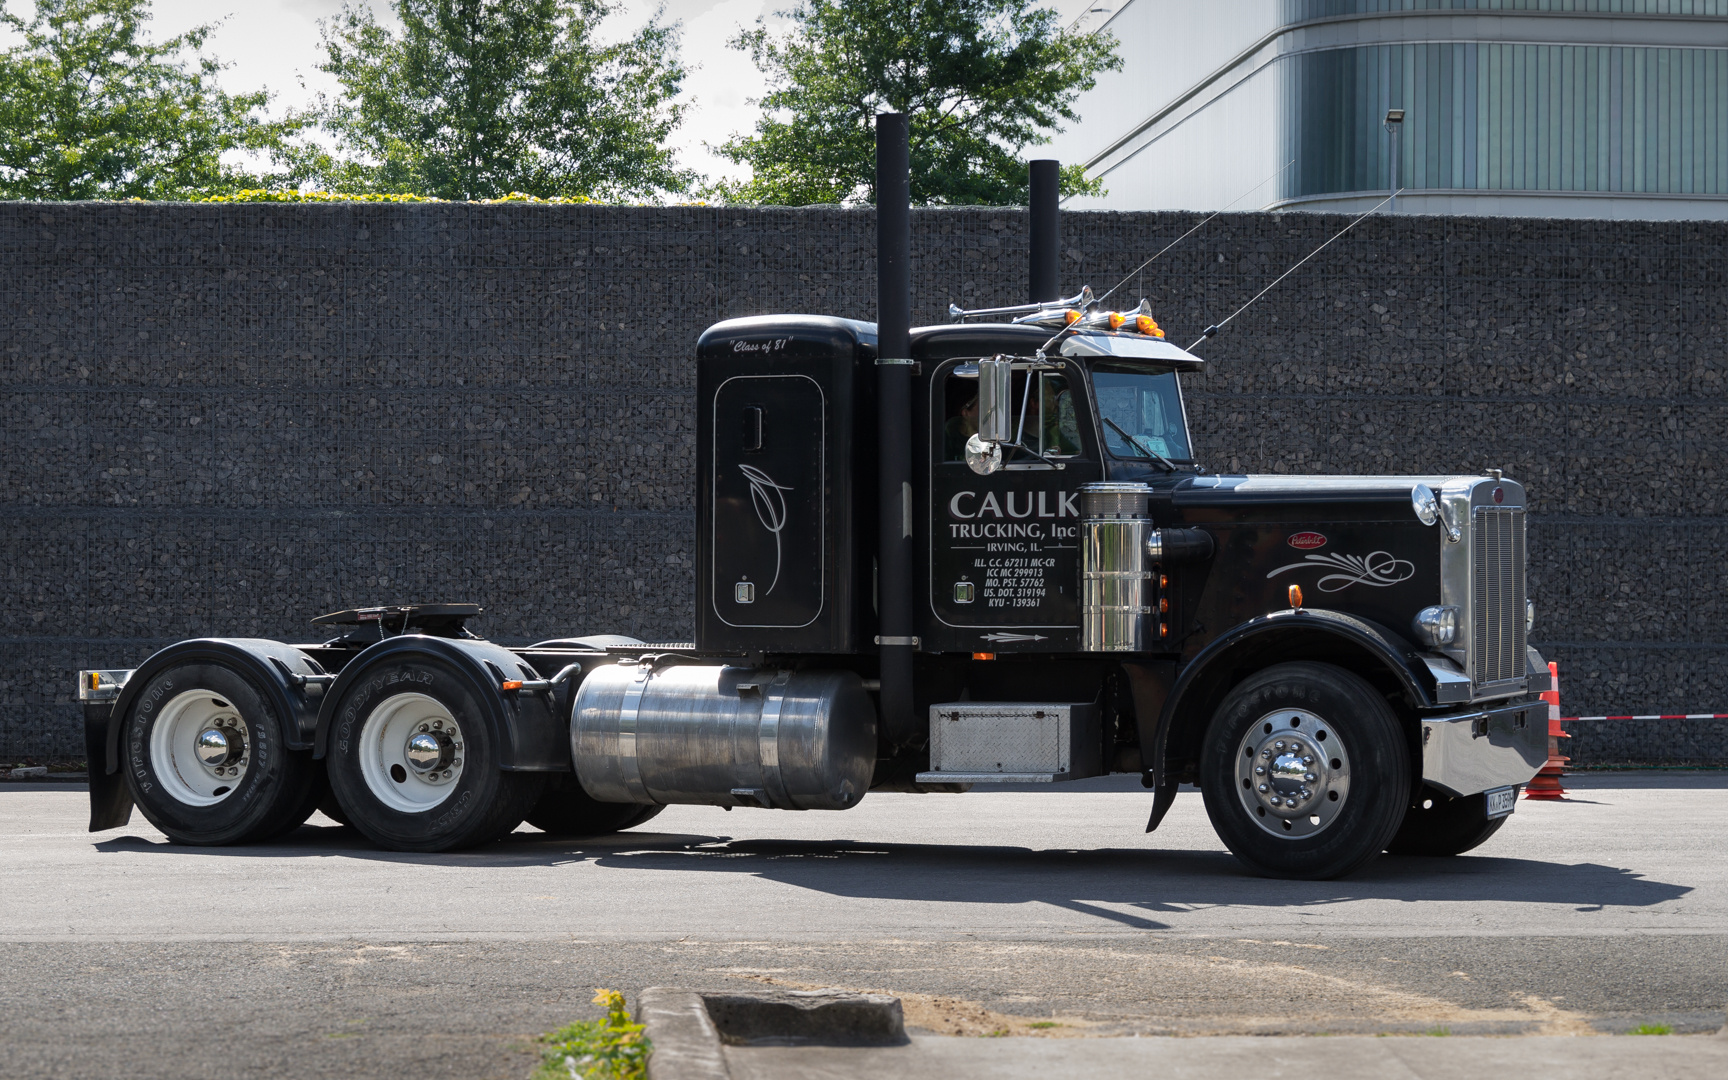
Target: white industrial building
x=1547, y=108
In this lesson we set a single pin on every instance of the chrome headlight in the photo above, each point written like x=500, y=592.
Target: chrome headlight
x=1436, y=625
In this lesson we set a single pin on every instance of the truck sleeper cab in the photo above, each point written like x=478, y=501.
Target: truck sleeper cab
x=1339, y=663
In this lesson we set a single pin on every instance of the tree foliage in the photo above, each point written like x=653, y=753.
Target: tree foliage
x=479, y=98
x=980, y=80
x=89, y=109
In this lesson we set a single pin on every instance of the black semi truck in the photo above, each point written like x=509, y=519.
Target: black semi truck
x=928, y=560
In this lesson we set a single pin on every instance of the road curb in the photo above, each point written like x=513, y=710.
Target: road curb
x=687, y=1029
x=685, y=1044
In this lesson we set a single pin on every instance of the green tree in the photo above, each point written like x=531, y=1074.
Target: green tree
x=980, y=80
x=479, y=98
x=90, y=110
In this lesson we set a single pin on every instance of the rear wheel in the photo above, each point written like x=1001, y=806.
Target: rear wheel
x=207, y=760
x=567, y=810
x=1305, y=771
x=1443, y=825
x=413, y=765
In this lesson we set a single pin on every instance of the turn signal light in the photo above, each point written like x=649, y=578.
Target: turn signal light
x=511, y=684
x=983, y=656
x=1295, y=596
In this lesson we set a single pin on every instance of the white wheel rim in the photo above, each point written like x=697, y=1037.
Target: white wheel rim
x=399, y=778
x=1292, y=773
x=188, y=777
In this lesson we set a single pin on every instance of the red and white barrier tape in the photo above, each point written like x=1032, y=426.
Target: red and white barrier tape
x=1678, y=716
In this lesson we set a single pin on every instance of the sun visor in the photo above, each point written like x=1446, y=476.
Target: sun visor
x=1131, y=347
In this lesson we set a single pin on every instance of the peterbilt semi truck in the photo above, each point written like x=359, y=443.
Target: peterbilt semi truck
x=929, y=560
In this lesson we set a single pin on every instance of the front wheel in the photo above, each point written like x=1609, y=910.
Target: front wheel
x=1442, y=825
x=413, y=765
x=1305, y=771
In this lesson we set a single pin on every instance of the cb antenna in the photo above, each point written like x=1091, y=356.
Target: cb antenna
x=1213, y=329
x=1197, y=228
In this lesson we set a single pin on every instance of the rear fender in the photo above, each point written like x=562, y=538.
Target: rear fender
x=1371, y=650
x=529, y=729
x=267, y=665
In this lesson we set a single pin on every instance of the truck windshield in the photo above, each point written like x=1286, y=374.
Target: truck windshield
x=1143, y=403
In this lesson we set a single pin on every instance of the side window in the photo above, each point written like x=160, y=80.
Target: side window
x=1046, y=421
x=1059, y=425
x=960, y=416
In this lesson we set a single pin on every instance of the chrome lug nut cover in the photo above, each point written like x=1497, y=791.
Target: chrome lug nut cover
x=424, y=752
x=1288, y=786
x=212, y=747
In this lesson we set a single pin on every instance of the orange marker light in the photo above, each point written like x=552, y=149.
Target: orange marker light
x=1163, y=629
x=1071, y=316
x=1146, y=324
x=511, y=684
x=983, y=656
x=1295, y=596
x=1163, y=604
x=1163, y=581
x=1117, y=319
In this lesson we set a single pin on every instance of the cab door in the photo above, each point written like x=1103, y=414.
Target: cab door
x=1003, y=557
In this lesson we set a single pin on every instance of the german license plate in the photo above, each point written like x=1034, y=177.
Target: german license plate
x=1502, y=801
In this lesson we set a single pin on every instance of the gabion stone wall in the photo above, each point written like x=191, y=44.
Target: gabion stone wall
x=227, y=419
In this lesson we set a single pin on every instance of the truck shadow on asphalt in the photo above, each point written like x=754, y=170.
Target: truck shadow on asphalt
x=1095, y=882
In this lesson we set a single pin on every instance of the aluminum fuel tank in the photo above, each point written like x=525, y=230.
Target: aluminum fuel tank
x=724, y=736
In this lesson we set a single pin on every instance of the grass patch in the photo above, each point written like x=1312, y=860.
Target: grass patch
x=1044, y=1024
x=1651, y=1029
x=610, y=1048
x=1438, y=1032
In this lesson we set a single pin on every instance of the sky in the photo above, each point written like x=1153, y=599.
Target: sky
x=275, y=44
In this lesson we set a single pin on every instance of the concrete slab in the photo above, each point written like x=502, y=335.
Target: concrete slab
x=936, y=1057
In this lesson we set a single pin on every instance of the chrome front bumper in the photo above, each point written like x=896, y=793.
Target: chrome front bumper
x=1470, y=752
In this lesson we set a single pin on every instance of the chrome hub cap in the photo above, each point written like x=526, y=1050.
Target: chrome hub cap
x=411, y=752
x=1292, y=773
x=200, y=748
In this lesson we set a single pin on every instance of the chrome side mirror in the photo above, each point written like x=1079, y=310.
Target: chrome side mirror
x=996, y=401
x=983, y=457
x=995, y=416
x=1429, y=509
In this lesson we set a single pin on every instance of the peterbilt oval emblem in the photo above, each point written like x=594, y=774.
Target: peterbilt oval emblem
x=1499, y=496
x=1307, y=541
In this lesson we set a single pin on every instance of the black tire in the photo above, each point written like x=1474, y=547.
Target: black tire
x=1344, y=812
x=1440, y=824
x=567, y=810
x=476, y=804
x=332, y=809
x=275, y=788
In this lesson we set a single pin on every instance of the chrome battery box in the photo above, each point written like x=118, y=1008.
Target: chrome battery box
x=1012, y=742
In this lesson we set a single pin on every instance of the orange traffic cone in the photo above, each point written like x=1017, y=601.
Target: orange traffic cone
x=1546, y=784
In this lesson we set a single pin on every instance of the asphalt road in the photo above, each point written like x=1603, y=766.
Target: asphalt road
x=986, y=913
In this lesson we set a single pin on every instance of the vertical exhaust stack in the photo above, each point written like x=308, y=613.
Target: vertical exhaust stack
x=900, y=722
x=1041, y=275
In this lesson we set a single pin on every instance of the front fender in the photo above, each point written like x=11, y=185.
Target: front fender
x=1297, y=634
x=526, y=726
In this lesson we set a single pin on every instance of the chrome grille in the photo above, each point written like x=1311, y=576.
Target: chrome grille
x=1497, y=595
